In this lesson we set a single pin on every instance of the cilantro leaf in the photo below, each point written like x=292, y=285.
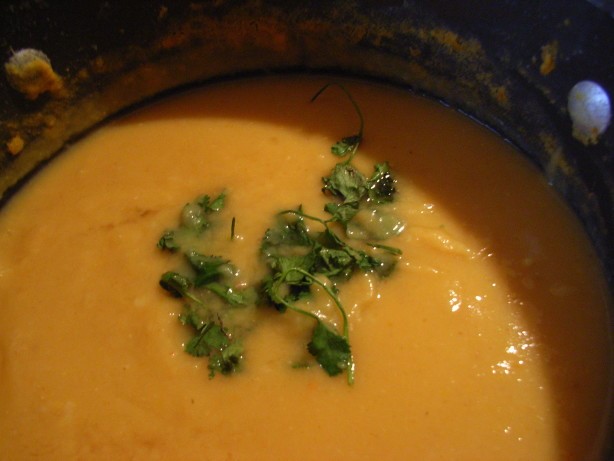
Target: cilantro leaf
x=363, y=260
x=288, y=264
x=270, y=293
x=168, y=242
x=232, y=297
x=286, y=234
x=347, y=145
x=210, y=337
x=213, y=341
x=381, y=186
x=333, y=262
x=331, y=350
x=211, y=206
x=342, y=212
x=176, y=284
x=207, y=268
x=193, y=218
x=276, y=292
x=359, y=258
x=346, y=183
x=195, y=215
x=227, y=360
x=192, y=317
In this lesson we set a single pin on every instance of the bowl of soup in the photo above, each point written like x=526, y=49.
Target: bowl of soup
x=335, y=230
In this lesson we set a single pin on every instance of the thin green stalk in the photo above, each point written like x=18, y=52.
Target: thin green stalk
x=356, y=108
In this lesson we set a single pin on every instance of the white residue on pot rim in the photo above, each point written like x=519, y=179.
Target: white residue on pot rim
x=590, y=111
x=29, y=71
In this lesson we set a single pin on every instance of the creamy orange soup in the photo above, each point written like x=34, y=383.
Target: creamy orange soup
x=488, y=342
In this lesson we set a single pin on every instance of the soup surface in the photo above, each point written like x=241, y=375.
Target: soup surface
x=487, y=342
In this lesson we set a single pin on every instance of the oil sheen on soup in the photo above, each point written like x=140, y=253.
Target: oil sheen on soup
x=487, y=341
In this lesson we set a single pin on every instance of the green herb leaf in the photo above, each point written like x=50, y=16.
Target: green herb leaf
x=210, y=337
x=342, y=212
x=211, y=206
x=192, y=318
x=346, y=183
x=193, y=218
x=331, y=350
x=359, y=258
x=168, y=242
x=334, y=262
x=207, y=268
x=227, y=360
x=212, y=341
x=194, y=215
x=232, y=297
x=347, y=145
x=285, y=235
x=382, y=185
x=176, y=284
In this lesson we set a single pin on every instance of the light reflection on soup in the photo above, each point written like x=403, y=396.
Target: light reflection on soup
x=488, y=342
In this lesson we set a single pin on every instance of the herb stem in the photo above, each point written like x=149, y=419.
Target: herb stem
x=356, y=108
x=303, y=215
x=193, y=298
x=330, y=293
x=289, y=305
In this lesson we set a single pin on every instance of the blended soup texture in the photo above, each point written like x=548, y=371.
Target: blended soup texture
x=488, y=342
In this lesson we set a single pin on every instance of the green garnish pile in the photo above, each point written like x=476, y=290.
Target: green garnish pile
x=300, y=251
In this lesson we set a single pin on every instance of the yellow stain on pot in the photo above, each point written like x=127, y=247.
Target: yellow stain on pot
x=454, y=42
x=549, y=54
x=15, y=145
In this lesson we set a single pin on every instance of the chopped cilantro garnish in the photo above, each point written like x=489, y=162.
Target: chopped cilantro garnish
x=381, y=186
x=346, y=183
x=207, y=268
x=213, y=341
x=167, y=241
x=176, y=284
x=342, y=212
x=195, y=218
x=299, y=258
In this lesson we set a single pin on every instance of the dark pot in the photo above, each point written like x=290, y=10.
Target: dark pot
x=508, y=64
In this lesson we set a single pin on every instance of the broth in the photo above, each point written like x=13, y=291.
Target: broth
x=489, y=341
